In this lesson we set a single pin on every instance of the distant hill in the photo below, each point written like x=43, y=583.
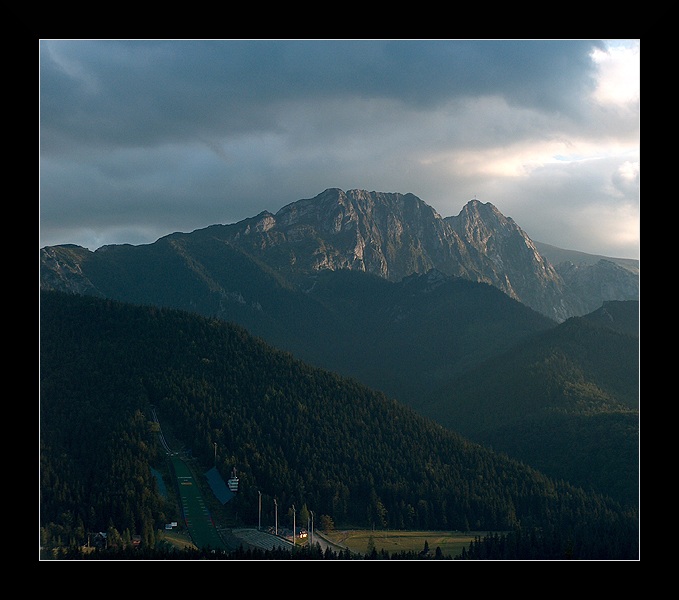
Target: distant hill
x=594, y=279
x=410, y=337
x=556, y=256
x=619, y=316
x=302, y=435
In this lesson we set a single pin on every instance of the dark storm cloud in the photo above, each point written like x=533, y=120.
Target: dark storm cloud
x=146, y=92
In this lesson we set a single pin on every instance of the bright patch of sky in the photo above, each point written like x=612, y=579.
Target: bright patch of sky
x=619, y=65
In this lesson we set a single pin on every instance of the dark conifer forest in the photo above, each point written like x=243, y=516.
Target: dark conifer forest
x=566, y=401
x=302, y=435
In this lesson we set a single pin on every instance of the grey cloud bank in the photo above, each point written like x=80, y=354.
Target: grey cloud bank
x=142, y=138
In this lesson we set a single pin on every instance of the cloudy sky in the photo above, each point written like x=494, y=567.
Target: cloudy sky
x=141, y=138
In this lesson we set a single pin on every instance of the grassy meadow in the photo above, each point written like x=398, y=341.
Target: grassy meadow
x=450, y=542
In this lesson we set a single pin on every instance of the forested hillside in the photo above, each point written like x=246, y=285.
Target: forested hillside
x=405, y=338
x=565, y=402
x=296, y=433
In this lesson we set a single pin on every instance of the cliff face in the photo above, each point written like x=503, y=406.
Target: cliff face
x=390, y=235
x=61, y=268
x=395, y=235
x=511, y=260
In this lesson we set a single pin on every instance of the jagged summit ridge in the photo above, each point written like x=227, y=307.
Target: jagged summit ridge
x=336, y=210
x=394, y=235
x=499, y=239
x=479, y=222
x=388, y=234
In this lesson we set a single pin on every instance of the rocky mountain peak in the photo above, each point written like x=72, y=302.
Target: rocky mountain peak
x=386, y=233
x=478, y=222
x=394, y=235
x=495, y=235
x=335, y=208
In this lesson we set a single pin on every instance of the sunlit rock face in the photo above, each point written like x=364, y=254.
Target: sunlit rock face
x=395, y=235
x=511, y=260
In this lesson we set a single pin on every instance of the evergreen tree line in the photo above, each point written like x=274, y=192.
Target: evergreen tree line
x=550, y=543
x=296, y=434
x=301, y=553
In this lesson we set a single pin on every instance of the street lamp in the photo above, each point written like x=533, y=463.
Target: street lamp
x=311, y=512
x=275, y=503
x=294, y=524
x=259, y=523
x=215, y=443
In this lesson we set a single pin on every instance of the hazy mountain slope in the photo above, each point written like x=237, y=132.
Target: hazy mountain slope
x=61, y=268
x=556, y=256
x=302, y=435
x=405, y=338
x=565, y=401
x=602, y=282
x=410, y=337
x=594, y=279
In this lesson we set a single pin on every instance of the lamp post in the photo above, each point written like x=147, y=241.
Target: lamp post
x=294, y=524
x=215, y=443
x=275, y=503
x=311, y=512
x=259, y=522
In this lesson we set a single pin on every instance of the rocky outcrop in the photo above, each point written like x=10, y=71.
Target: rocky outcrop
x=61, y=269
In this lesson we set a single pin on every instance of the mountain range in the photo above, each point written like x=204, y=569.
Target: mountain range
x=526, y=348
x=391, y=235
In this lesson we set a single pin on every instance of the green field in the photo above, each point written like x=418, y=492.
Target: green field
x=358, y=540
x=178, y=539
